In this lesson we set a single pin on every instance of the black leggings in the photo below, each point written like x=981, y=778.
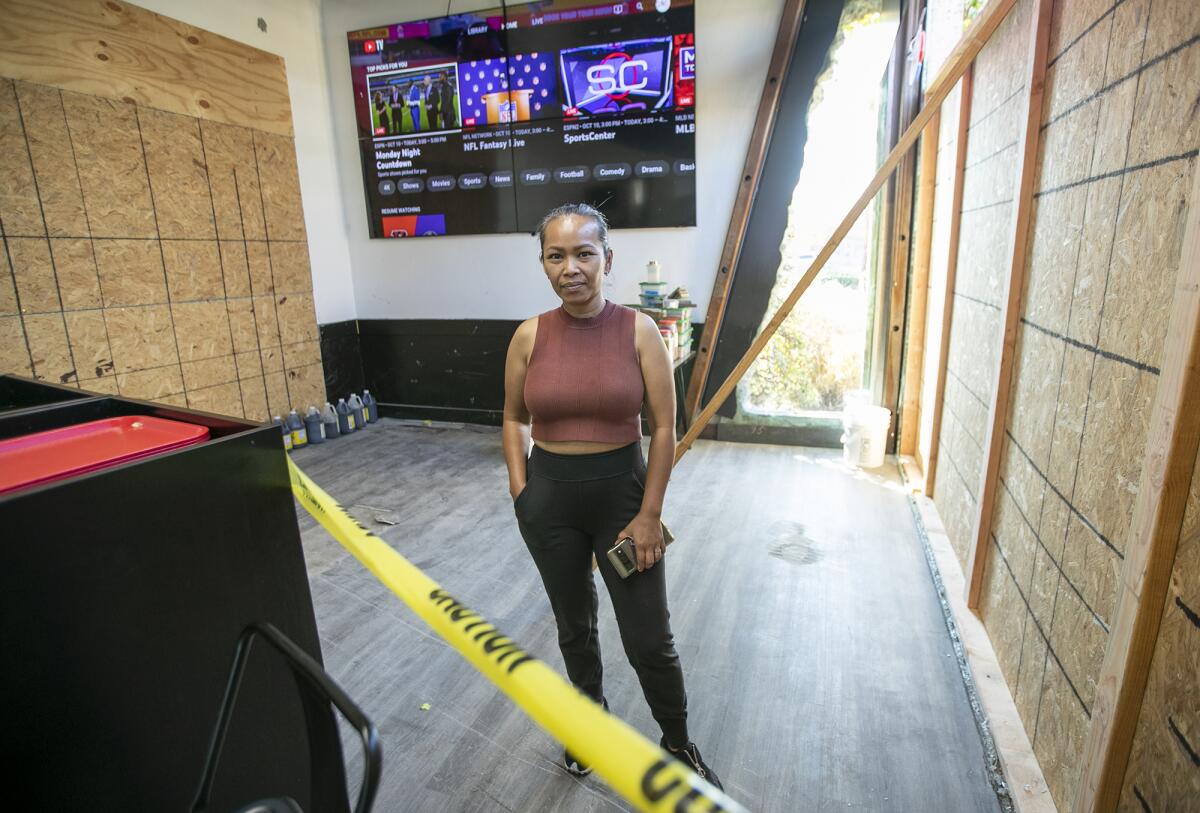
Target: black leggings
x=573, y=507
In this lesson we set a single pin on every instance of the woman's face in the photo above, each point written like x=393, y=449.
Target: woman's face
x=574, y=259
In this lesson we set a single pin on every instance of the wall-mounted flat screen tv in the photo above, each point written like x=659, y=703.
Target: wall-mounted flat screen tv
x=478, y=123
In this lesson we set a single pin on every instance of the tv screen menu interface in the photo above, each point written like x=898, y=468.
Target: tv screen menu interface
x=479, y=123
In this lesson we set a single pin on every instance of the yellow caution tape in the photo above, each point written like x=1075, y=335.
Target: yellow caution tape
x=635, y=768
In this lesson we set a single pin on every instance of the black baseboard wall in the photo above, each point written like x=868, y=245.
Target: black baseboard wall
x=437, y=369
x=431, y=369
x=341, y=356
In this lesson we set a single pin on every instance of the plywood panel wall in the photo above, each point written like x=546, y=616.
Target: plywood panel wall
x=1119, y=145
x=939, y=261
x=153, y=255
x=121, y=51
x=988, y=185
x=1163, y=772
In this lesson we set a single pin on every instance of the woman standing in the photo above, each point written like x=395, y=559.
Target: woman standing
x=580, y=373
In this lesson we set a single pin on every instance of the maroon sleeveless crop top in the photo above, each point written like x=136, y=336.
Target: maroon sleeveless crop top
x=584, y=381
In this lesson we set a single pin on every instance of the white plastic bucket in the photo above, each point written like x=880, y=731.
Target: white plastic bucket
x=864, y=440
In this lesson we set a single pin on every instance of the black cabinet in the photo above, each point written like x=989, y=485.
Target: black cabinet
x=122, y=596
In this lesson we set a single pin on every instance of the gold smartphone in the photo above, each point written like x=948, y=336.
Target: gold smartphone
x=623, y=557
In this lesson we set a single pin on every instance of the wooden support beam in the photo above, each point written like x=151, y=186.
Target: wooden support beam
x=902, y=224
x=756, y=156
x=962, y=56
x=1171, y=448
x=918, y=294
x=1011, y=302
x=960, y=163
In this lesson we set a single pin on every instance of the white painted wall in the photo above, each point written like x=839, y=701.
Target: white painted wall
x=498, y=276
x=294, y=33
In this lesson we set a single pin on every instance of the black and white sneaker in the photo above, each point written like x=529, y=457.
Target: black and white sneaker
x=574, y=766
x=689, y=755
x=572, y=763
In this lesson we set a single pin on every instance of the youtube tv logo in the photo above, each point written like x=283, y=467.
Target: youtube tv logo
x=372, y=46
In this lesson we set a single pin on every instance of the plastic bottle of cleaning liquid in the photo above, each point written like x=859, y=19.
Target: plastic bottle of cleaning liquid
x=313, y=426
x=287, y=436
x=369, y=403
x=329, y=421
x=296, y=426
x=345, y=417
x=357, y=405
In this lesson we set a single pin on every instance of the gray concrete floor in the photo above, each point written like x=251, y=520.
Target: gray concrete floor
x=819, y=672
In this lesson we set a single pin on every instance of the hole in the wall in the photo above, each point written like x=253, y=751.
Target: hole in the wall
x=262, y=25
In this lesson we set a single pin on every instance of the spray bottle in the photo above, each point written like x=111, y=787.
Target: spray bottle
x=313, y=426
x=329, y=421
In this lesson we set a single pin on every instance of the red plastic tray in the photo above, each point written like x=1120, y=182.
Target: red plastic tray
x=56, y=454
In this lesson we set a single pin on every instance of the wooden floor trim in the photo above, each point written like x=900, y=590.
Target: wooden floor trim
x=1022, y=773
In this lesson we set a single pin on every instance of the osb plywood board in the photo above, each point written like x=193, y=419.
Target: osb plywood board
x=88, y=337
x=1070, y=19
x=1062, y=725
x=983, y=242
x=1078, y=639
x=49, y=145
x=1145, y=259
x=1035, y=389
x=20, y=210
x=1043, y=589
x=1162, y=772
x=49, y=349
x=1114, y=437
x=1065, y=149
x=973, y=347
x=1015, y=539
x=111, y=165
x=954, y=502
x=999, y=68
x=1034, y=652
x=1107, y=229
x=183, y=206
x=131, y=272
x=77, y=273
x=1057, y=226
x=290, y=267
x=14, y=349
x=125, y=286
x=1095, y=255
x=33, y=273
x=280, y=186
x=193, y=270
x=994, y=133
x=141, y=338
x=1004, y=615
x=991, y=182
x=1174, y=21
x=1023, y=484
x=121, y=51
x=1079, y=72
x=233, y=178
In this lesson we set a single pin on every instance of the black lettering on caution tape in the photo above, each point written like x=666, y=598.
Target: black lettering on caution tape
x=494, y=643
x=657, y=791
